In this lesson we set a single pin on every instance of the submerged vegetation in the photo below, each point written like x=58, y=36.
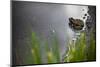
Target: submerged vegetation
x=76, y=51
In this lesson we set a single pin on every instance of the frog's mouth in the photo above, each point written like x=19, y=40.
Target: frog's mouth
x=76, y=24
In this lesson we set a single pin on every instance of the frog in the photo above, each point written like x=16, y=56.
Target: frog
x=76, y=24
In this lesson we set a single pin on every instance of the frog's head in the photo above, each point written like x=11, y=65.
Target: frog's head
x=76, y=24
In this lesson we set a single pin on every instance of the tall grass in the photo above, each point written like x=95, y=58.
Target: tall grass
x=76, y=52
x=52, y=54
x=92, y=48
x=36, y=49
x=79, y=52
x=55, y=47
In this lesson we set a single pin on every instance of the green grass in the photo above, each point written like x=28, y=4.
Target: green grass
x=36, y=49
x=92, y=48
x=52, y=56
x=76, y=52
x=79, y=52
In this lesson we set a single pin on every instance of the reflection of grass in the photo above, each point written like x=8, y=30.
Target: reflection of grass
x=74, y=54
